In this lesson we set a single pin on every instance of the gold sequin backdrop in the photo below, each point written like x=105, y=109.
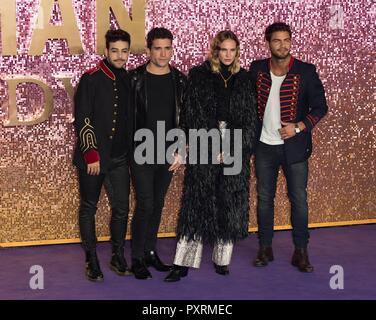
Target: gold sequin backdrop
x=38, y=184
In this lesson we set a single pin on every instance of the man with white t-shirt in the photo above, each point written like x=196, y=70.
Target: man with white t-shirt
x=291, y=101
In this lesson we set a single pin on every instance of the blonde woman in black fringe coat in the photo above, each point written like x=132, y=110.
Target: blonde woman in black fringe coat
x=215, y=206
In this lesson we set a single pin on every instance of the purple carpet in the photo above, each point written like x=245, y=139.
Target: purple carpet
x=353, y=248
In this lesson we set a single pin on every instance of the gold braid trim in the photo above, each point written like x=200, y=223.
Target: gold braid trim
x=87, y=137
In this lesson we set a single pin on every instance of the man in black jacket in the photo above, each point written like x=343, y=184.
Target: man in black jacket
x=157, y=91
x=291, y=100
x=101, y=111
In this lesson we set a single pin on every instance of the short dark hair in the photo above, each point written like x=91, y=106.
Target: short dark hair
x=277, y=26
x=117, y=35
x=158, y=33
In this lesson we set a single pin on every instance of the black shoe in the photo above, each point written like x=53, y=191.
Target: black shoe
x=176, y=273
x=264, y=256
x=152, y=260
x=139, y=269
x=222, y=270
x=118, y=263
x=93, y=269
x=301, y=261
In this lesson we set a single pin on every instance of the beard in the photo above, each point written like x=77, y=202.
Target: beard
x=280, y=56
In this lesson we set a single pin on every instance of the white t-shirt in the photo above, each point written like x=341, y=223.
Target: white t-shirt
x=272, y=116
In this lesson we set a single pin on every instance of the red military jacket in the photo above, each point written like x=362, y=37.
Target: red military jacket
x=302, y=98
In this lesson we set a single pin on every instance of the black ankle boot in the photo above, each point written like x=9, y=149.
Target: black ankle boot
x=301, y=261
x=222, y=270
x=176, y=273
x=118, y=263
x=93, y=269
x=264, y=256
x=139, y=269
x=152, y=259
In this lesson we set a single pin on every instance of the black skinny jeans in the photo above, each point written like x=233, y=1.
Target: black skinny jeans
x=116, y=181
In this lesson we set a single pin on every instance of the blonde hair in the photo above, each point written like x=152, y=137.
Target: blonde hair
x=215, y=47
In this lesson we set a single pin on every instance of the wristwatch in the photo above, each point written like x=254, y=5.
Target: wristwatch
x=297, y=129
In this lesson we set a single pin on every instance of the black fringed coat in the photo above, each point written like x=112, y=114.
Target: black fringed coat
x=215, y=207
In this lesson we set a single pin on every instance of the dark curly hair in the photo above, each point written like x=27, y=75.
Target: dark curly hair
x=116, y=35
x=277, y=26
x=158, y=33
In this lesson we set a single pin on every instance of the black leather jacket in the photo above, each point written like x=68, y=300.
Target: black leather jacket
x=139, y=97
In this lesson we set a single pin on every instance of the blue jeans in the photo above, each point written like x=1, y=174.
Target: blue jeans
x=269, y=158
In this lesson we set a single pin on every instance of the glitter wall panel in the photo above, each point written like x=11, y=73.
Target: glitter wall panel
x=38, y=183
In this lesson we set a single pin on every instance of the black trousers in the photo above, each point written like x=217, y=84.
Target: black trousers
x=116, y=181
x=268, y=161
x=151, y=182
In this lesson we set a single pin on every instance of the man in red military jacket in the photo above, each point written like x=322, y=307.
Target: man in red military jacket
x=101, y=156
x=290, y=100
